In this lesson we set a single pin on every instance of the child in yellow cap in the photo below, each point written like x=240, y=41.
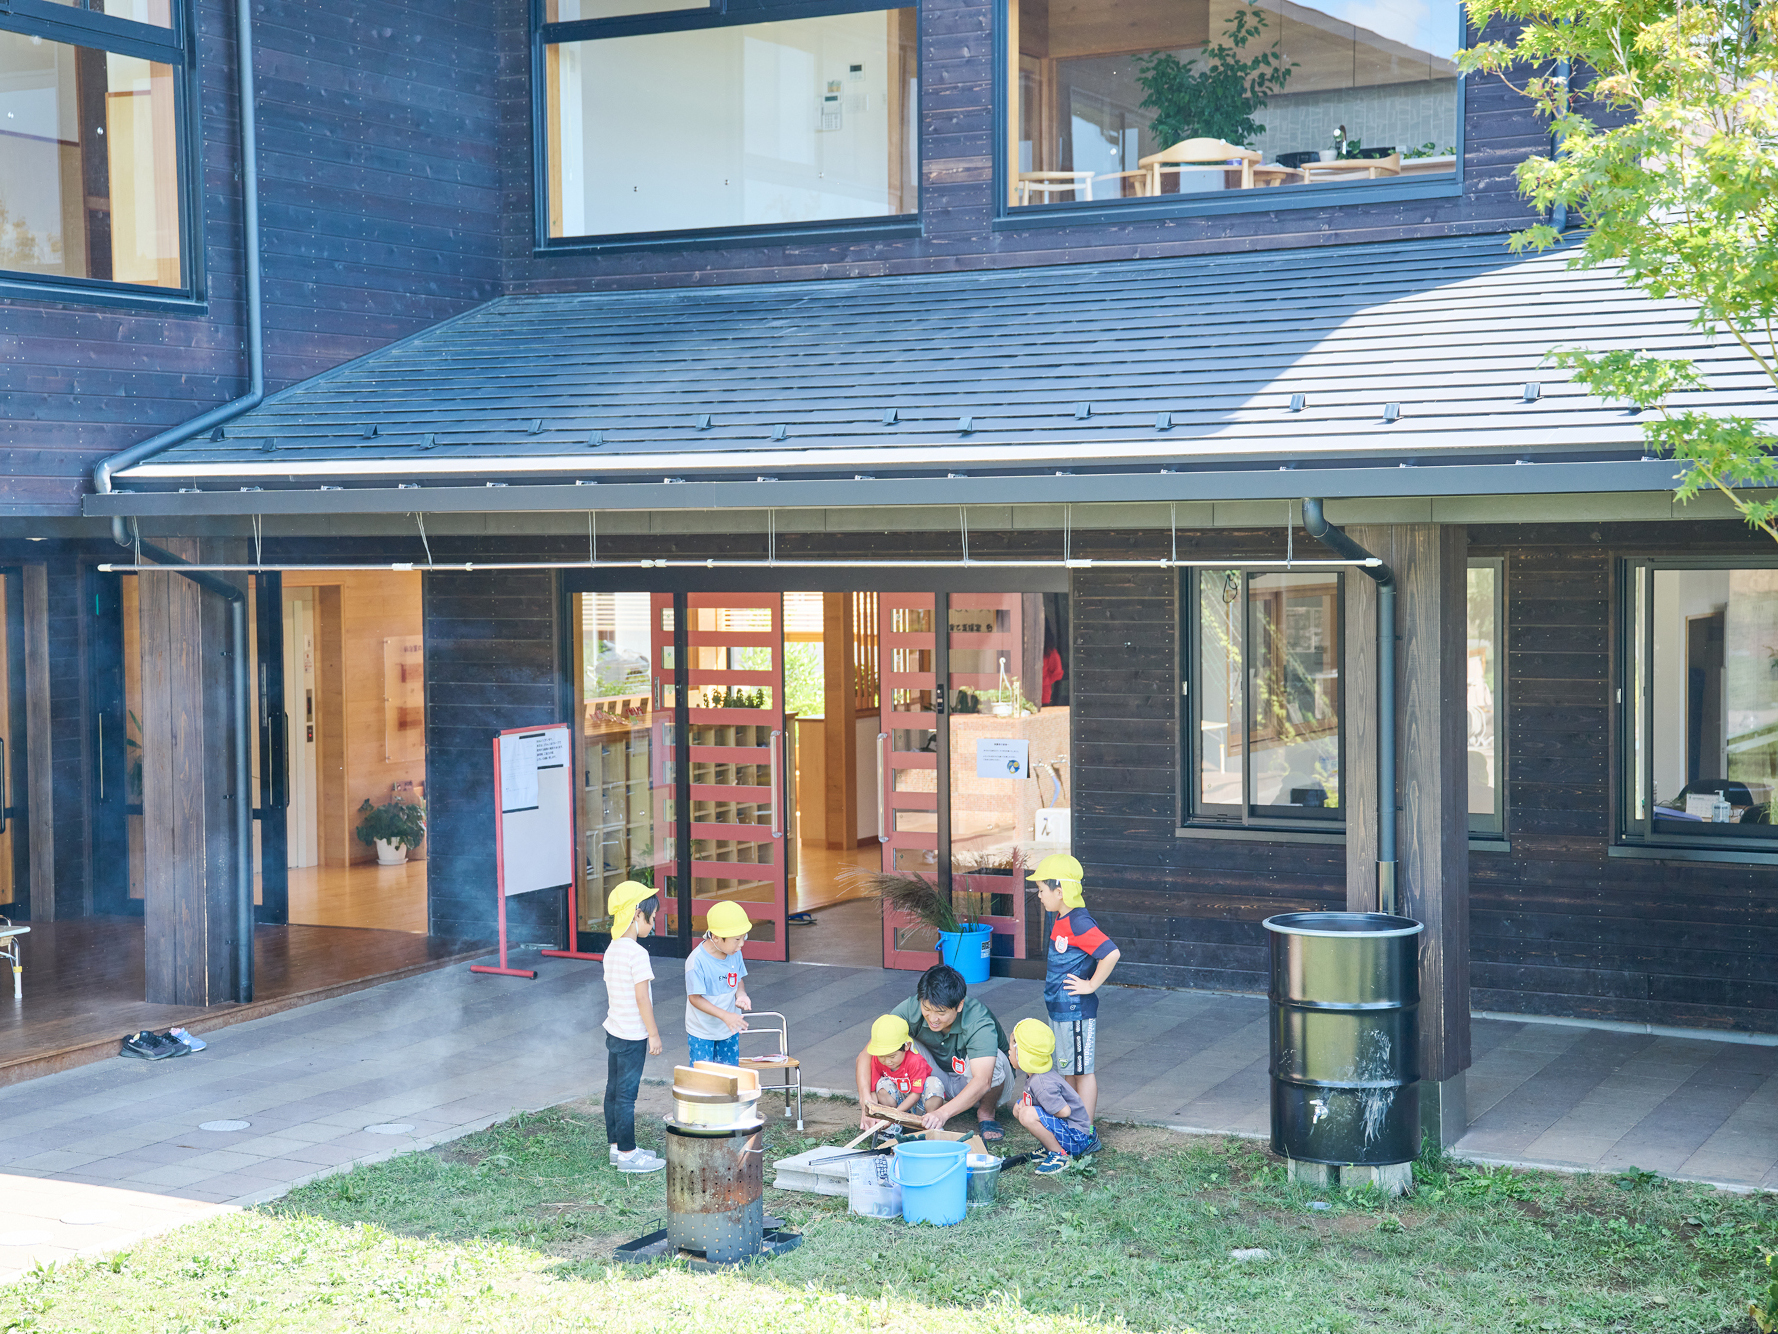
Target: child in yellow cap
x=631, y=1036
x=715, y=998
x=896, y=1075
x=1078, y=962
x=1049, y=1108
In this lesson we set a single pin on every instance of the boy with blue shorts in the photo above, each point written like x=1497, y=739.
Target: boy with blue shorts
x=1079, y=959
x=1050, y=1109
x=714, y=995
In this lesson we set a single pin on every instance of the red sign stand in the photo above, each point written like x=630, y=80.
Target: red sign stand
x=500, y=878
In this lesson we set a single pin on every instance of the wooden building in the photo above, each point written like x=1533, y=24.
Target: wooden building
x=916, y=384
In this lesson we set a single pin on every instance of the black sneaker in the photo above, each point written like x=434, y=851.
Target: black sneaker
x=173, y=1045
x=144, y=1046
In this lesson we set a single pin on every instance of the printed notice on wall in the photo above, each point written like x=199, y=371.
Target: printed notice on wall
x=518, y=773
x=1002, y=757
x=552, y=748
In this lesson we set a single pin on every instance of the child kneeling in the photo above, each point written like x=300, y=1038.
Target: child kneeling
x=1051, y=1110
x=898, y=1076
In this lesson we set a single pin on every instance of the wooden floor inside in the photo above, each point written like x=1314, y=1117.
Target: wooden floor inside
x=84, y=983
x=384, y=898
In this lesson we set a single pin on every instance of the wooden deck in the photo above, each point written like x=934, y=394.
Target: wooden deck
x=84, y=983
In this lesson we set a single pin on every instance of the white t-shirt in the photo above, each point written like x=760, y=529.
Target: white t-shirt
x=626, y=964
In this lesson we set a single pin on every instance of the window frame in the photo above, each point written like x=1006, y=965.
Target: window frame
x=1633, y=837
x=1163, y=208
x=1492, y=828
x=174, y=46
x=1252, y=820
x=716, y=14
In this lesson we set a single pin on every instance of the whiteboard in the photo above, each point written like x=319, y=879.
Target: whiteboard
x=534, y=792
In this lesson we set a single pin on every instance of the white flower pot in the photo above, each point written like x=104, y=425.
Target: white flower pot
x=390, y=854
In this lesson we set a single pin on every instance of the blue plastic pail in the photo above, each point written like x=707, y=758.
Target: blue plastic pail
x=967, y=951
x=934, y=1181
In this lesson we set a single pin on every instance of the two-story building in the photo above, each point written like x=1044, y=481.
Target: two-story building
x=890, y=438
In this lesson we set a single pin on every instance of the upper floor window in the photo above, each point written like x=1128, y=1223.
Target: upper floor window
x=1262, y=680
x=692, y=121
x=1111, y=100
x=1700, y=697
x=93, y=190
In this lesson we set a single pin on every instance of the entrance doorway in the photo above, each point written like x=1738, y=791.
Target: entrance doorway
x=779, y=748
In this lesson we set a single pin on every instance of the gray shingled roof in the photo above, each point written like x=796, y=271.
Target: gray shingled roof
x=1184, y=363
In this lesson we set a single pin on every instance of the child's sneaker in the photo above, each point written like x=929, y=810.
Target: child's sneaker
x=195, y=1043
x=1092, y=1146
x=641, y=1160
x=1051, y=1164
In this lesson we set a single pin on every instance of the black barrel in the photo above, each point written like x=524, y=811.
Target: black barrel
x=1345, y=1037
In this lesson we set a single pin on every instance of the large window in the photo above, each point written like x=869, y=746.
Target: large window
x=675, y=122
x=1262, y=679
x=92, y=189
x=1117, y=100
x=1700, y=694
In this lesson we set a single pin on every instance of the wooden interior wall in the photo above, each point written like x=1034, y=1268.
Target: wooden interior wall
x=363, y=608
x=491, y=664
x=1557, y=926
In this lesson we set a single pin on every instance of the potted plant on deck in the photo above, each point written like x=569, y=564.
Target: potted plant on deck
x=395, y=828
x=962, y=939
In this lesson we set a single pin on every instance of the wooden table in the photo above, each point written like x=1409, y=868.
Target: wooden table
x=1353, y=168
x=1273, y=173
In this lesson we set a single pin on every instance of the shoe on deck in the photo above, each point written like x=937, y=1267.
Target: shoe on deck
x=1052, y=1163
x=190, y=1042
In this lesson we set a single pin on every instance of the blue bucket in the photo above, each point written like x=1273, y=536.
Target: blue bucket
x=934, y=1180
x=967, y=951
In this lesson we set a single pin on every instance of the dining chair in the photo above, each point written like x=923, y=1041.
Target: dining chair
x=1199, y=153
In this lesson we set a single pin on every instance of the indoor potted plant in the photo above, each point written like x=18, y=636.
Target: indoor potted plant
x=1214, y=92
x=395, y=828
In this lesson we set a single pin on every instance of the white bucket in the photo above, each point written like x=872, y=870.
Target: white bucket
x=871, y=1191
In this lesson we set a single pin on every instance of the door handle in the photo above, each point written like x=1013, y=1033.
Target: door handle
x=278, y=730
x=882, y=794
x=777, y=787
x=101, y=718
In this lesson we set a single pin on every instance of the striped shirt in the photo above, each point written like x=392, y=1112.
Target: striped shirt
x=626, y=964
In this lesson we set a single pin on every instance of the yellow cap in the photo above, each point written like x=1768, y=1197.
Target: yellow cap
x=888, y=1034
x=1060, y=867
x=728, y=920
x=1037, y=1045
x=622, y=904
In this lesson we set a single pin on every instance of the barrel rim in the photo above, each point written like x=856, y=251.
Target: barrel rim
x=1282, y=925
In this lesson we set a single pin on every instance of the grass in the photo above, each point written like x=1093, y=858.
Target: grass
x=512, y=1229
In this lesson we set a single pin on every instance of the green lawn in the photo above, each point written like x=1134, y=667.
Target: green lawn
x=512, y=1230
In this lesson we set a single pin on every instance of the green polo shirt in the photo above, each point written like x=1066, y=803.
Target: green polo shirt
x=976, y=1033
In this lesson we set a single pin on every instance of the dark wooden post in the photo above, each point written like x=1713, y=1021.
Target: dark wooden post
x=187, y=778
x=40, y=836
x=1430, y=561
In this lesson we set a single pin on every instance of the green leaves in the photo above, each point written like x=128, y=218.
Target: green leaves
x=1668, y=153
x=1214, y=94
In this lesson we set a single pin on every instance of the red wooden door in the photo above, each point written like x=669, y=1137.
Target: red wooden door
x=740, y=770
x=907, y=761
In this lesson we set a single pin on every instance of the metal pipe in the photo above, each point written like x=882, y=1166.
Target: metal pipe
x=105, y=468
x=243, y=810
x=1316, y=525
x=834, y=564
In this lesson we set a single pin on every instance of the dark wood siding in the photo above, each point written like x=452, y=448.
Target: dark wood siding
x=957, y=133
x=491, y=664
x=379, y=202
x=1557, y=926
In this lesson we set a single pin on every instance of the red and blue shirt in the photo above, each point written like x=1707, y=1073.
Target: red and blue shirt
x=1076, y=944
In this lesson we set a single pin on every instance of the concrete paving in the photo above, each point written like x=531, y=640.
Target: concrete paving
x=427, y=1059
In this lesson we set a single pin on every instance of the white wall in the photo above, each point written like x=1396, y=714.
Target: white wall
x=1678, y=594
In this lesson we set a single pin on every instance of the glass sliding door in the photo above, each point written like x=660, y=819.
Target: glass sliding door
x=625, y=739
x=742, y=840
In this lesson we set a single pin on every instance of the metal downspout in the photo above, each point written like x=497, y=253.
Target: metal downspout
x=103, y=470
x=1316, y=525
